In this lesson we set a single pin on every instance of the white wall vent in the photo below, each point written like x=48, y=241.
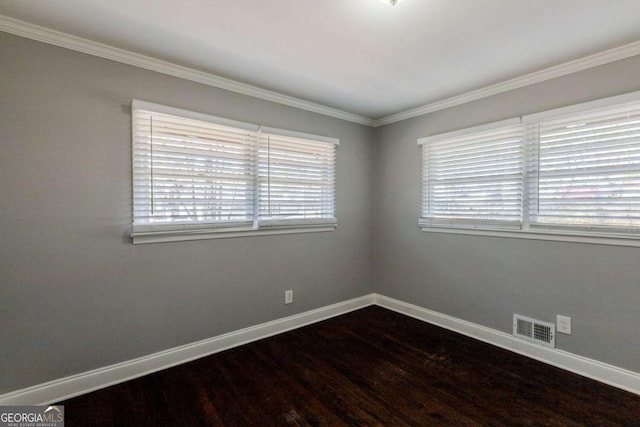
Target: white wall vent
x=534, y=330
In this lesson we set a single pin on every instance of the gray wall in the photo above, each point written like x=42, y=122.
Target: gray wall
x=486, y=279
x=75, y=293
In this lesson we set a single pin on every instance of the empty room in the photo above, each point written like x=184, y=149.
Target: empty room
x=319, y=212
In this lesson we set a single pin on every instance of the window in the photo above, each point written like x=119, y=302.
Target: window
x=571, y=171
x=199, y=176
x=295, y=180
x=586, y=171
x=475, y=179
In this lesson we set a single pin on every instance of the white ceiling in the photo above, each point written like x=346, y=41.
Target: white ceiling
x=359, y=56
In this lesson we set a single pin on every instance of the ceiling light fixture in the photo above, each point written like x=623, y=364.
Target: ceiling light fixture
x=391, y=2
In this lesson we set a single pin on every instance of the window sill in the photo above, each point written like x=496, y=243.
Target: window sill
x=601, y=239
x=179, y=236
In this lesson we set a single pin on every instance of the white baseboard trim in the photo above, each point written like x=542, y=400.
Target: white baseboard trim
x=75, y=385
x=599, y=371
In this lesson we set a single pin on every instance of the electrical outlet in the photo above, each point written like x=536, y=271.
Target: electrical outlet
x=288, y=296
x=563, y=324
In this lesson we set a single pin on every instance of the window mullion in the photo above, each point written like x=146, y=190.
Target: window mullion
x=256, y=179
x=530, y=179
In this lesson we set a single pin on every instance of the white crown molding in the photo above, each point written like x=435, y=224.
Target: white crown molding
x=599, y=371
x=57, y=38
x=601, y=58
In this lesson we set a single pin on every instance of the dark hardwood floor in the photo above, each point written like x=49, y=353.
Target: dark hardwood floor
x=370, y=367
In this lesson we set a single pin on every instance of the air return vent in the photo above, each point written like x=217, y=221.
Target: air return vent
x=534, y=330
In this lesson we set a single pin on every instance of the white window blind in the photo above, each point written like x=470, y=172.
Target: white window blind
x=296, y=180
x=194, y=173
x=572, y=172
x=585, y=172
x=473, y=180
x=188, y=171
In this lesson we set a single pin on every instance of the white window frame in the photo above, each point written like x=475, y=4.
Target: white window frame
x=488, y=133
x=142, y=234
x=538, y=232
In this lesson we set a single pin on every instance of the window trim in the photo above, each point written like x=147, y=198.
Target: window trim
x=212, y=230
x=187, y=235
x=536, y=232
x=509, y=125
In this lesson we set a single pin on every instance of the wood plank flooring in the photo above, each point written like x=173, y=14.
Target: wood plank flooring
x=371, y=367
